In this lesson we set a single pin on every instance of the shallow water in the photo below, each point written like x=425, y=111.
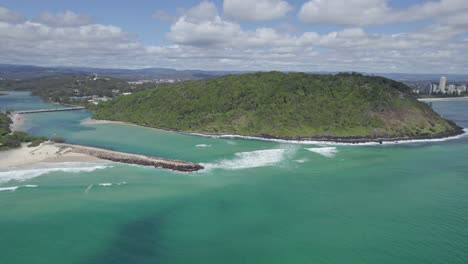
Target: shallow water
x=257, y=201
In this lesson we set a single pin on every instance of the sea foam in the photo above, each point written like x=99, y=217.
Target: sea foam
x=71, y=167
x=329, y=152
x=318, y=142
x=108, y=184
x=14, y=188
x=252, y=159
x=203, y=146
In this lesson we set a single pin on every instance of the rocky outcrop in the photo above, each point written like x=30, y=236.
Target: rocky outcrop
x=130, y=158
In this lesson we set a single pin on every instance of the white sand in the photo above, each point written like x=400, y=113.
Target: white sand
x=46, y=152
x=443, y=99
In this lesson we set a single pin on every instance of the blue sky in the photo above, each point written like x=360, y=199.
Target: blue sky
x=314, y=35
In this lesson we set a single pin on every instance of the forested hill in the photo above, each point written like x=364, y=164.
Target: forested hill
x=284, y=105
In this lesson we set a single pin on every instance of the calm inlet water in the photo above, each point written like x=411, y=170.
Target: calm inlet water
x=257, y=201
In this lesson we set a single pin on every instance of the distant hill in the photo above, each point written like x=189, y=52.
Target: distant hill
x=27, y=72
x=341, y=107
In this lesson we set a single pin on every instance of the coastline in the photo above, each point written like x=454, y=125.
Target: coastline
x=443, y=99
x=46, y=152
x=460, y=132
x=49, y=152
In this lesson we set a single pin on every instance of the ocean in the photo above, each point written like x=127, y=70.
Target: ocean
x=256, y=201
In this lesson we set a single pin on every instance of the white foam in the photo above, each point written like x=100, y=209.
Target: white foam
x=301, y=160
x=14, y=188
x=105, y=184
x=329, y=152
x=71, y=167
x=317, y=142
x=203, y=146
x=252, y=159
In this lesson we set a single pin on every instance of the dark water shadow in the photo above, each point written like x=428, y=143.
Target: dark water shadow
x=136, y=242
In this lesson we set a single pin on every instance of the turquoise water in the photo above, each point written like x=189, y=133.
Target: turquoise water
x=257, y=201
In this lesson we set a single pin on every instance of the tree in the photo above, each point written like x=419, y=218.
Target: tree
x=12, y=142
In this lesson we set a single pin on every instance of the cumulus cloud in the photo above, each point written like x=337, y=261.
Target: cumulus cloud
x=7, y=15
x=201, y=38
x=64, y=19
x=368, y=12
x=258, y=10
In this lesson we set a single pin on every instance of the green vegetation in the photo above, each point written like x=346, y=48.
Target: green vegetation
x=274, y=104
x=10, y=140
x=73, y=89
x=57, y=139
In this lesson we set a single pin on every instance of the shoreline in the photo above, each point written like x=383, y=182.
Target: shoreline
x=461, y=132
x=49, y=152
x=437, y=99
x=46, y=152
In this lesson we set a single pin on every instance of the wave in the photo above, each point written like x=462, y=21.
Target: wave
x=203, y=146
x=108, y=184
x=252, y=159
x=318, y=142
x=329, y=152
x=71, y=167
x=14, y=188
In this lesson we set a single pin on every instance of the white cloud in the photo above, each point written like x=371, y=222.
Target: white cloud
x=205, y=11
x=203, y=39
x=7, y=15
x=64, y=19
x=258, y=10
x=368, y=12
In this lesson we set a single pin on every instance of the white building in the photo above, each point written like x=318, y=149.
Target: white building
x=451, y=89
x=442, y=83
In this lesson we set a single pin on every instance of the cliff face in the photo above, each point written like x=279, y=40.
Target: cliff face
x=278, y=105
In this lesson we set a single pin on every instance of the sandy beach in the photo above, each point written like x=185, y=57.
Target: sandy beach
x=47, y=152
x=443, y=99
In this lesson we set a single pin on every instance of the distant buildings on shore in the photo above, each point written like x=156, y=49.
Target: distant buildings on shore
x=447, y=89
x=443, y=87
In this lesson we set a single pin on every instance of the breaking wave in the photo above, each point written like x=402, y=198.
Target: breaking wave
x=71, y=167
x=252, y=159
x=329, y=152
x=203, y=146
x=318, y=142
x=108, y=184
x=14, y=188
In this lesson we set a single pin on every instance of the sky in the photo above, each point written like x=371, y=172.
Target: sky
x=379, y=36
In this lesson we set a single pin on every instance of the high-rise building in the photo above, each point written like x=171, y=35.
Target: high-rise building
x=435, y=88
x=442, y=83
x=451, y=89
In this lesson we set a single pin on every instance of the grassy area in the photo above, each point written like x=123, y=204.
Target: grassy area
x=10, y=140
x=294, y=105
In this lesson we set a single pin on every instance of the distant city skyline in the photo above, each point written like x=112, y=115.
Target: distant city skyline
x=413, y=36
